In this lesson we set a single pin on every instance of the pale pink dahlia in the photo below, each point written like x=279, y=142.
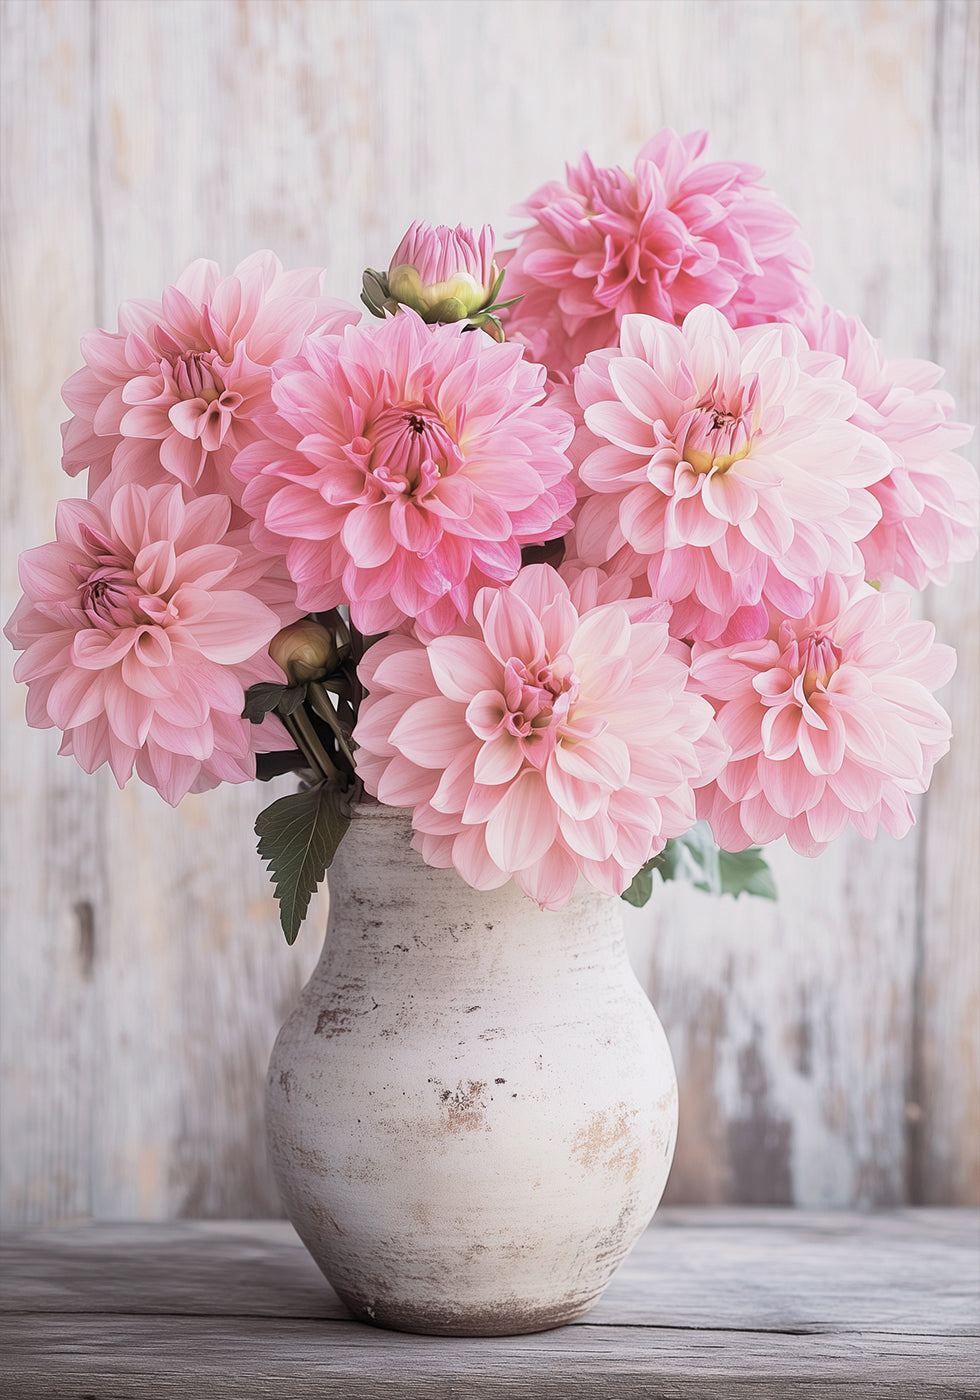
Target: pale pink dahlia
x=178, y=386
x=141, y=630
x=677, y=232
x=831, y=721
x=539, y=741
x=729, y=472
x=405, y=468
x=929, y=498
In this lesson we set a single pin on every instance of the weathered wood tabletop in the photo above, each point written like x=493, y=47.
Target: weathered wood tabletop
x=712, y=1303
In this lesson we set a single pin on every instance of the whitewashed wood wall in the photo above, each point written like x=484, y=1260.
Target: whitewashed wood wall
x=827, y=1048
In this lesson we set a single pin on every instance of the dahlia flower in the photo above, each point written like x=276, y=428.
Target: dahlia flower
x=141, y=628
x=729, y=472
x=540, y=740
x=677, y=232
x=179, y=384
x=831, y=721
x=929, y=498
x=404, y=469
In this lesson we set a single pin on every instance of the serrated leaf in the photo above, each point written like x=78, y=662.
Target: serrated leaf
x=261, y=699
x=696, y=858
x=746, y=872
x=298, y=839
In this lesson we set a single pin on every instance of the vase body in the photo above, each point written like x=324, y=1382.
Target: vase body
x=472, y=1110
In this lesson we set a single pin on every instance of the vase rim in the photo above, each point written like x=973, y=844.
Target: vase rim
x=375, y=810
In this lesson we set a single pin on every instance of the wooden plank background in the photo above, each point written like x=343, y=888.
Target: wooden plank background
x=827, y=1048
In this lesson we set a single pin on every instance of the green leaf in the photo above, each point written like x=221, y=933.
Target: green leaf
x=694, y=857
x=642, y=887
x=261, y=699
x=291, y=699
x=298, y=839
x=746, y=872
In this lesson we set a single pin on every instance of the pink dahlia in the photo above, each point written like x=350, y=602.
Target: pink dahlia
x=176, y=389
x=677, y=232
x=141, y=630
x=405, y=468
x=729, y=472
x=929, y=498
x=831, y=721
x=542, y=740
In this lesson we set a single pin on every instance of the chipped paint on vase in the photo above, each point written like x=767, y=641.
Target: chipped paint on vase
x=472, y=1109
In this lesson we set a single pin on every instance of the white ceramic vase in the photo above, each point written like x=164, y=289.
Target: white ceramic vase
x=472, y=1109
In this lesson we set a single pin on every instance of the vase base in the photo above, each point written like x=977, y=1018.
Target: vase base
x=508, y=1318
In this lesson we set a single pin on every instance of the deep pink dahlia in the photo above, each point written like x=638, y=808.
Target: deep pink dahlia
x=929, y=498
x=141, y=629
x=729, y=472
x=831, y=721
x=179, y=384
x=405, y=468
x=677, y=232
x=542, y=740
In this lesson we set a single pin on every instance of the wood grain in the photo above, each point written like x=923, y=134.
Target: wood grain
x=710, y=1303
x=828, y=1049
x=945, y=1149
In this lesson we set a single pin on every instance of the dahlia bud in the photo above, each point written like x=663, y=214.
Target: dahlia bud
x=306, y=651
x=444, y=274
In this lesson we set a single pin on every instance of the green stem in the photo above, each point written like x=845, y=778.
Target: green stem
x=305, y=738
x=350, y=670
x=321, y=703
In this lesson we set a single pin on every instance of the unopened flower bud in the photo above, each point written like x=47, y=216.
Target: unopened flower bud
x=306, y=651
x=444, y=274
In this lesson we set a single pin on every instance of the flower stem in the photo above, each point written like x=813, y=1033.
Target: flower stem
x=323, y=707
x=305, y=738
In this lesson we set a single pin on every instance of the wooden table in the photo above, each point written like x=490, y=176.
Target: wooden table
x=711, y=1303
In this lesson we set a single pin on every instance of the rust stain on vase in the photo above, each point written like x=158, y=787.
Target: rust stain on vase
x=329, y=1022
x=606, y=1142
x=336, y=1019
x=464, y=1106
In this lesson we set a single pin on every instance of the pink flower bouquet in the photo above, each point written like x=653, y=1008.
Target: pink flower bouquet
x=577, y=576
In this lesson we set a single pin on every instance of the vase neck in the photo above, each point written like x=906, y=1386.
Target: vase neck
x=388, y=910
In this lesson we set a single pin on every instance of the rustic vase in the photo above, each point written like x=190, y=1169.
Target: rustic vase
x=472, y=1109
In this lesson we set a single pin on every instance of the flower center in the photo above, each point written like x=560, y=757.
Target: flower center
x=717, y=436
x=196, y=377
x=205, y=408
x=814, y=658
x=107, y=589
x=537, y=699
x=411, y=448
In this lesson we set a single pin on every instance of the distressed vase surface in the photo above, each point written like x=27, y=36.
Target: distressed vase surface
x=472, y=1109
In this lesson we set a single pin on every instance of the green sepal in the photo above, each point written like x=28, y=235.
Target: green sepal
x=498, y=282
x=445, y=312
x=374, y=291
x=298, y=839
